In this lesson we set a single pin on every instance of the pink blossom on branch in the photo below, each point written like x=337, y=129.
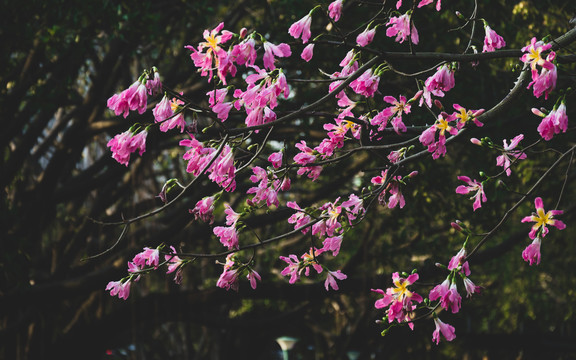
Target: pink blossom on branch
x=301, y=28
x=331, y=277
x=124, y=144
x=308, y=52
x=402, y=28
x=365, y=37
x=399, y=299
x=504, y=160
x=446, y=330
x=335, y=10
x=492, y=40
x=532, y=252
x=542, y=219
x=533, y=56
x=473, y=186
x=555, y=122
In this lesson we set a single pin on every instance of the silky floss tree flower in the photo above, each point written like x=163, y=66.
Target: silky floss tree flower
x=542, y=219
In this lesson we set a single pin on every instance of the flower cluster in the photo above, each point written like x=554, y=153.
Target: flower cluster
x=399, y=300
x=543, y=82
x=554, y=122
x=233, y=271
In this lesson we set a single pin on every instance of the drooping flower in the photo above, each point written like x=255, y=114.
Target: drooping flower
x=365, y=37
x=504, y=160
x=308, y=52
x=441, y=81
x=124, y=144
x=532, y=252
x=473, y=186
x=122, y=289
x=174, y=265
x=492, y=40
x=446, y=330
x=335, y=10
x=366, y=84
x=204, y=209
x=555, y=122
x=542, y=219
x=401, y=27
x=271, y=50
x=301, y=28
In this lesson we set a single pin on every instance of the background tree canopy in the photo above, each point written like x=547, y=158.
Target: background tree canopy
x=60, y=64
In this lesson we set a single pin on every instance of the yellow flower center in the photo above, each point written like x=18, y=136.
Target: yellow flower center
x=542, y=219
x=464, y=115
x=443, y=126
x=401, y=289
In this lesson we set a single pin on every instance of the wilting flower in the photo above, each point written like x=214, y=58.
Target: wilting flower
x=331, y=277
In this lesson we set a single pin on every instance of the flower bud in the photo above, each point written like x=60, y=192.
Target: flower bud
x=476, y=141
x=456, y=226
x=243, y=33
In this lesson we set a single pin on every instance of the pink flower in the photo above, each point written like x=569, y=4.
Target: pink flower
x=366, y=84
x=332, y=244
x=299, y=218
x=446, y=330
x=122, y=145
x=401, y=28
x=533, y=56
x=335, y=10
x=301, y=28
x=154, y=85
x=119, y=288
x=271, y=50
x=426, y=2
x=456, y=260
x=365, y=37
x=253, y=277
x=276, y=159
x=463, y=116
x=473, y=186
x=470, y=287
x=532, y=252
x=398, y=298
x=133, y=98
x=228, y=236
x=331, y=277
x=214, y=56
x=492, y=41
x=544, y=82
x=229, y=277
x=162, y=110
x=441, y=81
x=553, y=123
x=204, y=209
x=504, y=159
x=245, y=52
x=542, y=219
x=174, y=265
x=308, y=52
